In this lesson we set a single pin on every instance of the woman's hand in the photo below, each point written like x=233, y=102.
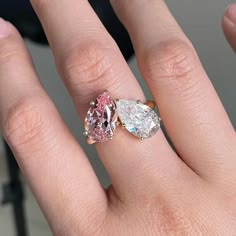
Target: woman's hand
x=154, y=191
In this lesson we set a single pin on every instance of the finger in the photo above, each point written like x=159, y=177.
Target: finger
x=54, y=165
x=89, y=62
x=190, y=108
x=229, y=25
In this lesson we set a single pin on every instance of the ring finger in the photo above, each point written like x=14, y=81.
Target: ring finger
x=89, y=62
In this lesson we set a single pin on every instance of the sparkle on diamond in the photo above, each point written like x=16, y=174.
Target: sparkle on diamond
x=139, y=119
x=100, y=121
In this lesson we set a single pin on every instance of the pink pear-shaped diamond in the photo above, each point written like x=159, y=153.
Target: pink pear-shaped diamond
x=100, y=121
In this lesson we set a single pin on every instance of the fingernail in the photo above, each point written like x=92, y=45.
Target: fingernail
x=231, y=13
x=4, y=28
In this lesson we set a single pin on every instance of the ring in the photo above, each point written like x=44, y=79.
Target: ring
x=105, y=115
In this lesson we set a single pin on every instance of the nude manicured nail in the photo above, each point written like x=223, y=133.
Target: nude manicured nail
x=4, y=28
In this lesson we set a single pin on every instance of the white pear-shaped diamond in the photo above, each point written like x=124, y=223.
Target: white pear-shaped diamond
x=137, y=118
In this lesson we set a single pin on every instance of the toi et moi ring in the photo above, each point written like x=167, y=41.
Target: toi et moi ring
x=105, y=115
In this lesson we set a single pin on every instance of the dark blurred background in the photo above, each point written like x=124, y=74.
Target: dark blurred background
x=21, y=14
x=201, y=21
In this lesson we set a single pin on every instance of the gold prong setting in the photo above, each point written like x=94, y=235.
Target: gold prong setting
x=118, y=123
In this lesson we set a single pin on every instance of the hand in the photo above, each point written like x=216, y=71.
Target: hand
x=154, y=191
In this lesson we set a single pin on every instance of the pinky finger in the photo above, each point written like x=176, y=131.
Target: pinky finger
x=229, y=25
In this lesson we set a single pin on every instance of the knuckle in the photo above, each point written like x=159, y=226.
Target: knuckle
x=10, y=55
x=168, y=214
x=88, y=66
x=12, y=49
x=173, y=59
x=173, y=220
x=11, y=52
x=25, y=123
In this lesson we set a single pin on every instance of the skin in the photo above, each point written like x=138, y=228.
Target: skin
x=154, y=191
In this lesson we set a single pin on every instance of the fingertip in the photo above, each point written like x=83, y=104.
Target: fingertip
x=229, y=25
x=230, y=13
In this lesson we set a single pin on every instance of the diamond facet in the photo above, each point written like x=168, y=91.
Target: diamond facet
x=101, y=119
x=137, y=118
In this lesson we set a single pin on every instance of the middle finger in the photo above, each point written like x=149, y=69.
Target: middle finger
x=89, y=62
x=190, y=108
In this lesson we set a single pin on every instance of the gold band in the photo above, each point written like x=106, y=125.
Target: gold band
x=151, y=104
